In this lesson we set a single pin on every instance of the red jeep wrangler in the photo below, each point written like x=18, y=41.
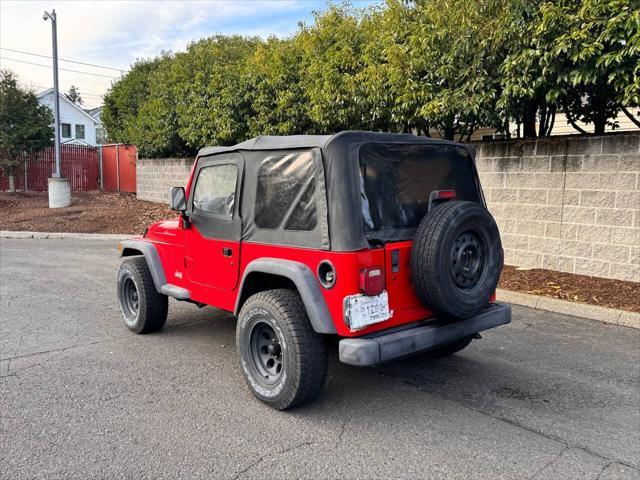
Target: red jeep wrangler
x=383, y=240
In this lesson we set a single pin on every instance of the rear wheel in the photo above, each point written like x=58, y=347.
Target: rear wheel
x=284, y=361
x=143, y=309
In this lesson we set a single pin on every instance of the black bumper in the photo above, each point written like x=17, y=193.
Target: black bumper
x=384, y=346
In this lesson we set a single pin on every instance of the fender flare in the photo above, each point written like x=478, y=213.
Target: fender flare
x=150, y=253
x=305, y=282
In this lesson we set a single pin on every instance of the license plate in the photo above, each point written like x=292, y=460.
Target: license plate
x=362, y=310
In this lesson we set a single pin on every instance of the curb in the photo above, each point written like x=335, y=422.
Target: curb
x=611, y=316
x=63, y=235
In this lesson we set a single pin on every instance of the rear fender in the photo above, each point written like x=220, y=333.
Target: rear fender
x=305, y=282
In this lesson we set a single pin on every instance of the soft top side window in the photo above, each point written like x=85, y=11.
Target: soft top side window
x=285, y=192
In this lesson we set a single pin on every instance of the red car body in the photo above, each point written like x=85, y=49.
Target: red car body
x=198, y=265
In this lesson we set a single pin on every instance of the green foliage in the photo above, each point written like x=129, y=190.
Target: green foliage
x=423, y=66
x=279, y=105
x=599, y=50
x=442, y=57
x=125, y=98
x=155, y=128
x=333, y=71
x=73, y=95
x=212, y=91
x=24, y=123
x=580, y=56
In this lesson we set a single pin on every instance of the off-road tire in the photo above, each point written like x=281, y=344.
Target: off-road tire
x=303, y=352
x=149, y=312
x=447, y=283
x=450, y=349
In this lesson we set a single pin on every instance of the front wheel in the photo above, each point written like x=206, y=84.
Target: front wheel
x=143, y=309
x=284, y=361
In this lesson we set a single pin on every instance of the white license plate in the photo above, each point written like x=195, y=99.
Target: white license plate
x=362, y=311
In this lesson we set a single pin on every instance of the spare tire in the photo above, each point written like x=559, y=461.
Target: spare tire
x=456, y=259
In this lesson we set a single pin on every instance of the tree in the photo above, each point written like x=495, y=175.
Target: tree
x=279, y=104
x=335, y=70
x=211, y=91
x=125, y=98
x=599, y=50
x=419, y=66
x=24, y=125
x=155, y=127
x=524, y=80
x=579, y=56
x=73, y=95
x=442, y=58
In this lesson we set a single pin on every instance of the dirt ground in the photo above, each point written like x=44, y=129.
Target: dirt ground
x=90, y=212
x=578, y=288
x=102, y=212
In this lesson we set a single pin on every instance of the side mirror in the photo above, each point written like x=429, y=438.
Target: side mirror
x=177, y=199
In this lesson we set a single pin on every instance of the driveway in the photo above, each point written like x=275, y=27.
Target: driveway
x=548, y=396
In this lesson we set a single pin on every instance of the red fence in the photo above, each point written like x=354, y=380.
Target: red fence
x=79, y=164
x=119, y=167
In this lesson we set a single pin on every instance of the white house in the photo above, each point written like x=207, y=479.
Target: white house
x=77, y=127
x=96, y=113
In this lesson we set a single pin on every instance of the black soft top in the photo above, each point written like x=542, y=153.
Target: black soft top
x=341, y=226
x=285, y=142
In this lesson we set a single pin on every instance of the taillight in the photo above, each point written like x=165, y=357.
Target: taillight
x=372, y=281
x=444, y=194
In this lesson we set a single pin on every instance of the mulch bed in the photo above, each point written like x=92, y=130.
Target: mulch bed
x=90, y=212
x=604, y=292
x=103, y=212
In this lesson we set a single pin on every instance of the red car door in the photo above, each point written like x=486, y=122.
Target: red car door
x=213, y=237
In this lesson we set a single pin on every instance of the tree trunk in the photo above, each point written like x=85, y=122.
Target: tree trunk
x=542, y=124
x=529, y=120
x=12, y=183
x=552, y=122
x=573, y=122
x=630, y=116
x=599, y=124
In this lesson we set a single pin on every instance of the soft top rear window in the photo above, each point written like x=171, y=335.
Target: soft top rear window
x=397, y=179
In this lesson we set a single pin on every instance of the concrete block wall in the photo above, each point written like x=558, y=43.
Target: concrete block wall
x=570, y=203
x=563, y=203
x=156, y=176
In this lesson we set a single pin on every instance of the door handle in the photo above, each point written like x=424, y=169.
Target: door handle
x=226, y=252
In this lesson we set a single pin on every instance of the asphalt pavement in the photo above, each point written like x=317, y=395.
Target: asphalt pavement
x=548, y=396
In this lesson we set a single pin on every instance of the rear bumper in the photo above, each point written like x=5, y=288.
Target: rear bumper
x=385, y=346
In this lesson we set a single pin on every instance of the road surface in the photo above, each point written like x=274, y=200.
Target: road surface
x=548, y=396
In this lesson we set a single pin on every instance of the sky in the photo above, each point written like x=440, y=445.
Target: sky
x=115, y=33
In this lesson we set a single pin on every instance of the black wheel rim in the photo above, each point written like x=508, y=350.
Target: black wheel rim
x=468, y=259
x=265, y=352
x=129, y=298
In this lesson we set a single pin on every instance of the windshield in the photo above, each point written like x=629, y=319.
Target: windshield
x=397, y=179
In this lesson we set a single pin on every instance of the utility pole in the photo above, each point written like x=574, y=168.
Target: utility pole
x=59, y=188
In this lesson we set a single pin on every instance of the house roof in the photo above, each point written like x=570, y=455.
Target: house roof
x=94, y=111
x=65, y=99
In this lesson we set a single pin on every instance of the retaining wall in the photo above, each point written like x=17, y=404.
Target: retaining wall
x=567, y=203
x=155, y=176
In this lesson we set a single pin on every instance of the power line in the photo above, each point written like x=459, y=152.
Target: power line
x=37, y=85
x=59, y=68
x=63, y=59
